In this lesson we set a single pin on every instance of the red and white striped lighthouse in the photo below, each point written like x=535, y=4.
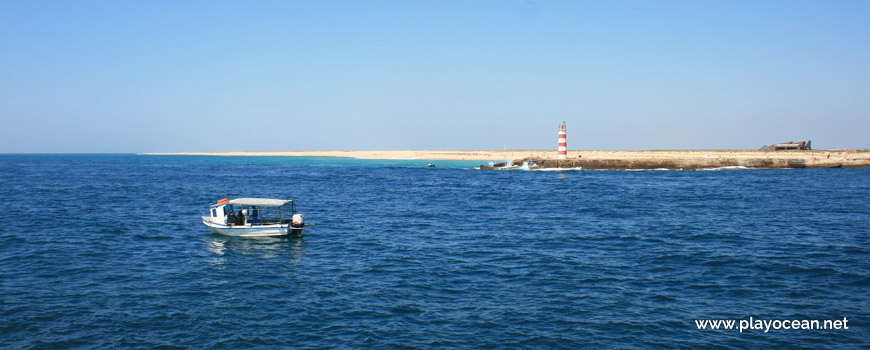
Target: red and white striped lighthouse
x=563, y=142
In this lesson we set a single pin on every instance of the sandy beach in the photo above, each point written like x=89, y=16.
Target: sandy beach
x=816, y=156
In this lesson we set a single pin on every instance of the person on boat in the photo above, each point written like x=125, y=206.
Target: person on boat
x=231, y=218
x=240, y=217
x=255, y=215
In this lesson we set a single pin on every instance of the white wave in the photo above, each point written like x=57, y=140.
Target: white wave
x=730, y=167
x=525, y=166
x=558, y=169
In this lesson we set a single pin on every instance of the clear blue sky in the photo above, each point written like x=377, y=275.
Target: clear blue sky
x=155, y=76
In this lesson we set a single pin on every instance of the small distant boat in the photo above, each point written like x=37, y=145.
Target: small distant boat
x=431, y=165
x=254, y=217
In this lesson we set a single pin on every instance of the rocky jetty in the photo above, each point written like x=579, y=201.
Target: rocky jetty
x=680, y=163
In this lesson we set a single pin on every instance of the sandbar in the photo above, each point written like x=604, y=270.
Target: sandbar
x=815, y=156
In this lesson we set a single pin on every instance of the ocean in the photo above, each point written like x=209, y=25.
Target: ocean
x=108, y=251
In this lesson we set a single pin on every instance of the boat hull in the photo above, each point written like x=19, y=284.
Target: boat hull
x=251, y=231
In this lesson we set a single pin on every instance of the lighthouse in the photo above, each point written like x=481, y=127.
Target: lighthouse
x=563, y=143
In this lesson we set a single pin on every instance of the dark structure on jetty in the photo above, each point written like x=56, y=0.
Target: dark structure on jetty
x=666, y=163
x=791, y=146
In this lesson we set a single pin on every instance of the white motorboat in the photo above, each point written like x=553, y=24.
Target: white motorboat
x=254, y=217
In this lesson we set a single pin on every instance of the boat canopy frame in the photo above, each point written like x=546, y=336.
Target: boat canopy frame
x=260, y=202
x=269, y=211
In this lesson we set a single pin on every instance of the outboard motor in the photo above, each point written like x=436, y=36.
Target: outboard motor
x=296, y=224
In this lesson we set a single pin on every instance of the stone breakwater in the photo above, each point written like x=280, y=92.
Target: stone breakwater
x=681, y=163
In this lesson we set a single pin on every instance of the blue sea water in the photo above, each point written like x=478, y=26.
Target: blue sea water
x=108, y=251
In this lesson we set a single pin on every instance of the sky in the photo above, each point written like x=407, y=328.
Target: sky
x=208, y=76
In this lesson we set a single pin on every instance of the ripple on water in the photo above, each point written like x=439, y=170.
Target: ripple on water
x=405, y=257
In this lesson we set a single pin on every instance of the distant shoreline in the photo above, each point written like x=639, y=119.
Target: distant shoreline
x=823, y=156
